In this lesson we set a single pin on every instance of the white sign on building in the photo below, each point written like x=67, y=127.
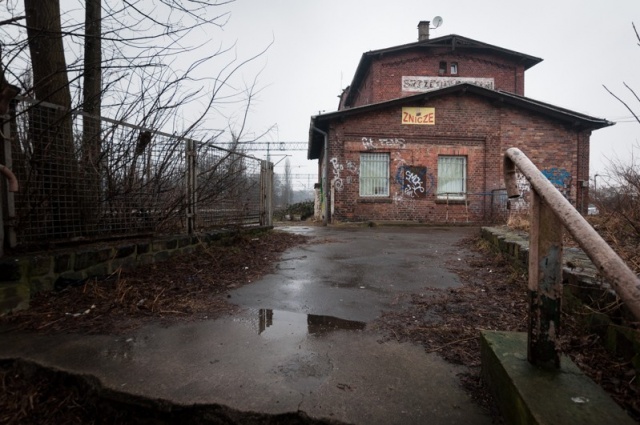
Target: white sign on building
x=422, y=84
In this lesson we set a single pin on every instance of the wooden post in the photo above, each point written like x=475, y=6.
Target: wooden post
x=545, y=284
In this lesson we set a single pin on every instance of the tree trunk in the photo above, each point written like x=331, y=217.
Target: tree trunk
x=92, y=161
x=54, y=156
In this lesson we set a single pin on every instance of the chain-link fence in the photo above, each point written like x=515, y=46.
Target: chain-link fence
x=88, y=178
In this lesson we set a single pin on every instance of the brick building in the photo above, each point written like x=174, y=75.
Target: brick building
x=420, y=134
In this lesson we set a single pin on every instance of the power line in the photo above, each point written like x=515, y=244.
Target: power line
x=274, y=146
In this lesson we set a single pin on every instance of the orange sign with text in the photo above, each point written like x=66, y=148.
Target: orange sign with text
x=419, y=116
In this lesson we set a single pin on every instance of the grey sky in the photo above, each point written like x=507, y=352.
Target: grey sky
x=583, y=44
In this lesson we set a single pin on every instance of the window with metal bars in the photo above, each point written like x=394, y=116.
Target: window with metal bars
x=452, y=177
x=374, y=174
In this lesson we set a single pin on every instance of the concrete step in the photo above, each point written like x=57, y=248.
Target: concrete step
x=530, y=395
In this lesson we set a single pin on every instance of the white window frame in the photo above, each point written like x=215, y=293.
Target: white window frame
x=374, y=175
x=452, y=177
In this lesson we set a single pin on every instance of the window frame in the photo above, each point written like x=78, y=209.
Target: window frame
x=452, y=196
x=442, y=68
x=369, y=184
x=454, y=68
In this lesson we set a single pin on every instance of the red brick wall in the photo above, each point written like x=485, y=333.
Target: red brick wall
x=384, y=79
x=465, y=125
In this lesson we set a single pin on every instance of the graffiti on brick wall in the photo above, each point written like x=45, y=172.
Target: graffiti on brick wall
x=416, y=182
x=397, y=157
x=560, y=178
x=336, y=181
x=524, y=188
x=370, y=143
x=352, y=167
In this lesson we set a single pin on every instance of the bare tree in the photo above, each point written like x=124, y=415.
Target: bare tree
x=626, y=105
x=53, y=150
x=619, y=202
x=141, y=62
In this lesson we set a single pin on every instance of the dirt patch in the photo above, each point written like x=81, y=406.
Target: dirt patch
x=493, y=296
x=32, y=395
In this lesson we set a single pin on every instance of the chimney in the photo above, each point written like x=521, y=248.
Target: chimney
x=423, y=30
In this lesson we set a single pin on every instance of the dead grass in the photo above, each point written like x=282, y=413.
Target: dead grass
x=188, y=287
x=519, y=221
x=494, y=296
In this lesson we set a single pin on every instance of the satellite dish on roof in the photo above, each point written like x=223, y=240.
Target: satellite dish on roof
x=437, y=21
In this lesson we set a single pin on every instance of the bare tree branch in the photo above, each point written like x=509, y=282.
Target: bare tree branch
x=623, y=102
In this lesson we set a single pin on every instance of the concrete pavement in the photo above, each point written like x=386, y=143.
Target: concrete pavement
x=301, y=342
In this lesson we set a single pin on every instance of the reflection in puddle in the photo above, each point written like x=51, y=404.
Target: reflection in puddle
x=275, y=323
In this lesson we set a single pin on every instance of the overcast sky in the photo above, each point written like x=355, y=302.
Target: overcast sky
x=318, y=44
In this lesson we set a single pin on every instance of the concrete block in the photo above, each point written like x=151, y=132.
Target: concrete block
x=124, y=263
x=163, y=245
x=125, y=251
x=183, y=241
x=161, y=256
x=14, y=296
x=40, y=265
x=98, y=270
x=530, y=395
x=145, y=259
x=89, y=258
x=142, y=248
x=10, y=269
x=62, y=263
x=41, y=283
x=69, y=279
x=623, y=341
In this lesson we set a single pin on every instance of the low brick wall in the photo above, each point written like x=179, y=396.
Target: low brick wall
x=21, y=277
x=584, y=293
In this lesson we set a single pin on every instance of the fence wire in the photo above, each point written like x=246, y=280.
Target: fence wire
x=89, y=178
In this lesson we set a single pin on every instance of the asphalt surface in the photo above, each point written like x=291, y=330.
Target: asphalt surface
x=301, y=343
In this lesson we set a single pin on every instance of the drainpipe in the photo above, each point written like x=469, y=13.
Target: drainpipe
x=13, y=181
x=13, y=187
x=325, y=188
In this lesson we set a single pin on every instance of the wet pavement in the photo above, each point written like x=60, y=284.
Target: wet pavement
x=301, y=343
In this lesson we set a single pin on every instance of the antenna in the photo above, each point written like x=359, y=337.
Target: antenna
x=437, y=21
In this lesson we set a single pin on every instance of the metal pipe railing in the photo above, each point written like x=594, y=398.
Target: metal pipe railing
x=550, y=213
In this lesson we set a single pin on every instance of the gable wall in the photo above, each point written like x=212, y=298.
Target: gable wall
x=465, y=125
x=383, y=81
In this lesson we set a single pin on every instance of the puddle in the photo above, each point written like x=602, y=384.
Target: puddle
x=278, y=324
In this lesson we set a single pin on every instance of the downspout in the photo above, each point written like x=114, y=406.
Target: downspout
x=325, y=220
x=13, y=181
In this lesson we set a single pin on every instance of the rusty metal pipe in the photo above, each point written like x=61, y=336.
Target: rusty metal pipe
x=13, y=180
x=625, y=283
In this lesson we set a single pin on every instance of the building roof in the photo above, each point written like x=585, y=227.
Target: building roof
x=452, y=41
x=576, y=119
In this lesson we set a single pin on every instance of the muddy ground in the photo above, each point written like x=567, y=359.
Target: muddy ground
x=195, y=287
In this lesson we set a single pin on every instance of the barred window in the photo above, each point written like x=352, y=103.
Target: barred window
x=374, y=174
x=452, y=177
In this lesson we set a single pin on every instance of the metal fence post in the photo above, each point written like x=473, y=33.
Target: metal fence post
x=545, y=284
x=7, y=205
x=266, y=193
x=263, y=191
x=191, y=182
x=270, y=196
